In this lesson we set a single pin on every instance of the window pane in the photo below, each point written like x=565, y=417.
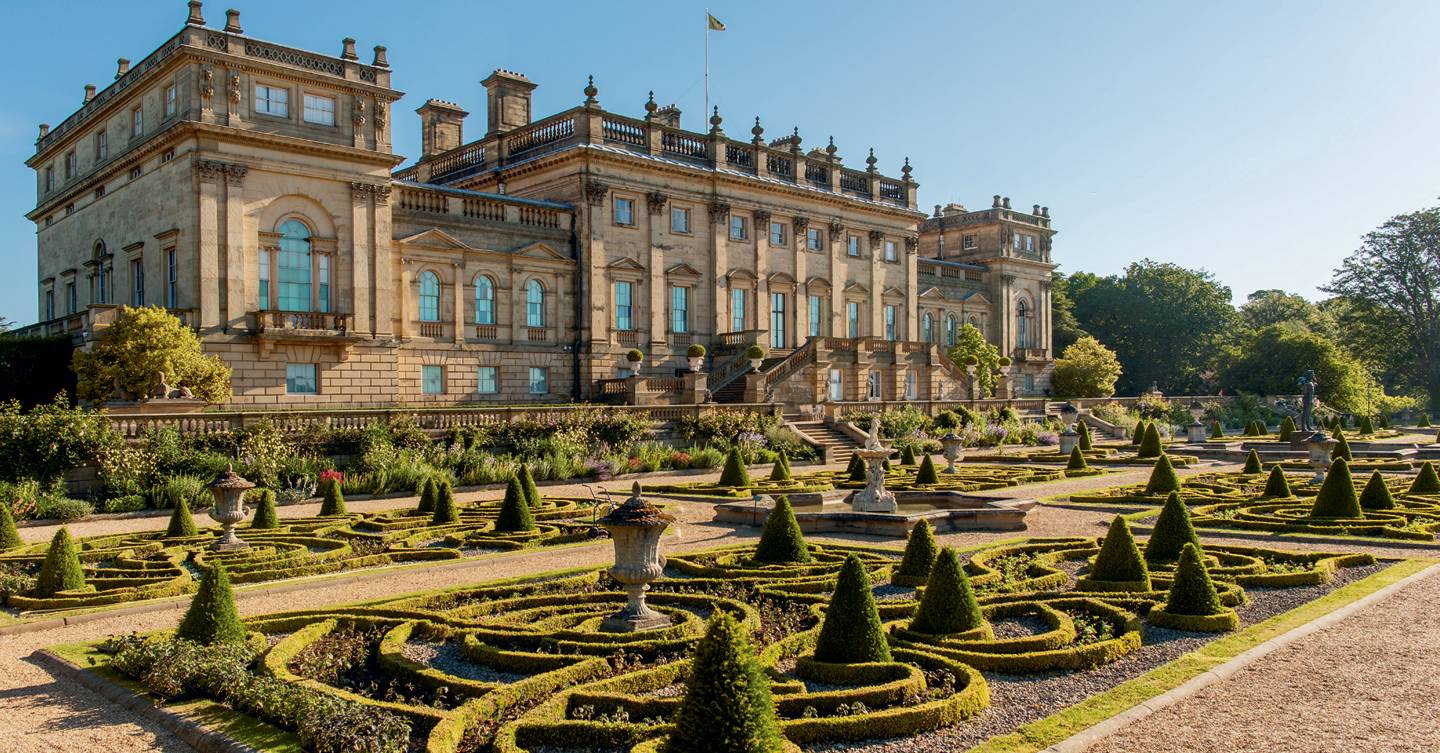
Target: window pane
x=852, y=318
x=737, y=310
x=737, y=228
x=137, y=276
x=679, y=220
x=300, y=379
x=484, y=301
x=429, y=297
x=323, y=294
x=170, y=281
x=679, y=309
x=486, y=380
x=294, y=267
x=432, y=380
x=272, y=101
x=534, y=304
x=777, y=233
x=624, y=212
x=624, y=318
x=812, y=239
x=852, y=245
x=890, y=251
x=815, y=308
x=777, y=320
x=319, y=110
x=539, y=380
x=889, y=322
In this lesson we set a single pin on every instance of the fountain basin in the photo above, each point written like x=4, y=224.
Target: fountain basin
x=947, y=511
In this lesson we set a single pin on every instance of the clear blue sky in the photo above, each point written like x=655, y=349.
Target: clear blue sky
x=1256, y=140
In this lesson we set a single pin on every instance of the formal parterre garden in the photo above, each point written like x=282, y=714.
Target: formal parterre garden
x=778, y=646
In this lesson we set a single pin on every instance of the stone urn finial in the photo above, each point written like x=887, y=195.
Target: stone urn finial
x=229, y=490
x=635, y=527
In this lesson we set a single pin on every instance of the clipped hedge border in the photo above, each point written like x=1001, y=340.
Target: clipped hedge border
x=1223, y=622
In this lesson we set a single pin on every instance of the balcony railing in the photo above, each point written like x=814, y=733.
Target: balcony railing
x=302, y=321
x=1030, y=354
x=487, y=332
x=627, y=338
x=431, y=329
x=537, y=334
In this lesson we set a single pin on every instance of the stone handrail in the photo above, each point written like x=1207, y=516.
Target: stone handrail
x=798, y=359
x=729, y=371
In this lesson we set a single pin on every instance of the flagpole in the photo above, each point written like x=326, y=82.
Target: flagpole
x=706, y=113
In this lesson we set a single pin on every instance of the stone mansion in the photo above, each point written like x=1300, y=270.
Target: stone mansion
x=253, y=189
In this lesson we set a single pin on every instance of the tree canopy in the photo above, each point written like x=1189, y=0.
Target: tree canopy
x=1269, y=361
x=1085, y=369
x=143, y=343
x=970, y=341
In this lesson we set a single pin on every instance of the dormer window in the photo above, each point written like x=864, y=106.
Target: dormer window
x=272, y=100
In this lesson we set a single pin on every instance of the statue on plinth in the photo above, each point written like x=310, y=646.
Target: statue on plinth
x=1308, y=384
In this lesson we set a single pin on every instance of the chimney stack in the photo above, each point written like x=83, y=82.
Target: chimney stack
x=122, y=67
x=232, y=22
x=347, y=49
x=508, y=100
x=380, y=60
x=196, y=17
x=89, y=93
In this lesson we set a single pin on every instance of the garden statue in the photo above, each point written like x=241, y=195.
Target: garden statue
x=1308, y=383
x=229, y=490
x=874, y=497
x=635, y=527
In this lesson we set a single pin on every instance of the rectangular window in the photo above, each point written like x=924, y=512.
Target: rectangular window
x=911, y=385
x=72, y=300
x=102, y=146
x=323, y=272
x=679, y=309
x=1029, y=383
x=737, y=310
x=816, y=309
x=169, y=100
x=70, y=163
x=301, y=379
x=49, y=305
x=837, y=385
x=49, y=178
x=624, y=211
x=852, y=318
x=137, y=281
x=969, y=241
x=777, y=233
x=852, y=246
x=539, y=380
x=889, y=322
x=171, y=283
x=777, y=320
x=739, y=230
x=1029, y=243
x=137, y=123
x=890, y=251
x=264, y=279
x=679, y=220
x=812, y=239
x=432, y=379
x=624, y=310
x=319, y=110
x=272, y=100
x=487, y=380
x=1016, y=241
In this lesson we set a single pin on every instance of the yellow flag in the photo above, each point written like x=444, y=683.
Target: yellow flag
x=715, y=24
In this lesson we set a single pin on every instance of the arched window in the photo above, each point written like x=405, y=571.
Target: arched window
x=484, y=300
x=294, y=266
x=534, y=304
x=927, y=328
x=429, y=297
x=949, y=330
x=1022, y=328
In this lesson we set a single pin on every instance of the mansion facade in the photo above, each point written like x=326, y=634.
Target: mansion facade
x=253, y=189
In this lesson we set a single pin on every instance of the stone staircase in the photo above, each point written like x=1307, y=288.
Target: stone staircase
x=838, y=446
x=734, y=391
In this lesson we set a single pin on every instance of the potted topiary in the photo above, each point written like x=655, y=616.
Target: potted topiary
x=696, y=355
x=756, y=354
x=633, y=357
x=970, y=363
x=1005, y=364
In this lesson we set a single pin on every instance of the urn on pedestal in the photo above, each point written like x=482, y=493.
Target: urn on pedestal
x=635, y=527
x=229, y=490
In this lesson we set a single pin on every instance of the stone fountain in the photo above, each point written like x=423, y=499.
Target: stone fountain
x=635, y=527
x=229, y=491
x=874, y=497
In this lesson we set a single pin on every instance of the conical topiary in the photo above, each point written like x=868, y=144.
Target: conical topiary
x=1366, y=425
x=427, y=495
x=182, y=523
x=1173, y=530
x=782, y=542
x=1376, y=495
x=855, y=471
x=927, y=473
x=1424, y=421
x=1287, y=429
x=1426, y=481
x=1252, y=463
x=265, y=514
x=1137, y=435
x=514, y=511
x=851, y=632
x=919, y=557
x=527, y=485
x=781, y=470
x=212, y=617
x=1077, y=460
x=1337, y=495
x=9, y=535
x=1342, y=448
x=1163, y=478
x=1276, y=485
x=907, y=455
x=1250, y=430
x=1119, y=564
x=1216, y=432
x=735, y=474
x=446, y=511
x=1086, y=443
x=332, y=501
x=948, y=604
x=61, y=570
x=1150, y=448
x=727, y=706
x=1192, y=592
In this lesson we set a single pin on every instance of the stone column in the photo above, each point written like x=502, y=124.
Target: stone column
x=654, y=262
x=762, y=267
x=719, y=220
x=593, y=328
x=837, y=276
x=403, y=331
x=912, y=292
x=209, y=174
x=234, y=272
x=457, y=270
x=381, y=279
x=360, y=272
x=877, y=287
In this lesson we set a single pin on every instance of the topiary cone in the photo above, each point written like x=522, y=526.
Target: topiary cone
x=1366, y=425
x=1173, y=530
x=855, y=471
x=1376, y=495
x=927, y=473
x=427, y=495
x=1163, y=478
x=332, y=501
x=1426, y=481
x=1252, y=463
x=1337, y=495
x=1276, y=485
x=1192, y=592
x=61, y=570
x=212, y=617
x=919, y=556
x=907, y=455
x=514, y=512
x=446, y=511
x=1085, y=443
x=182, y=523
x=9, y=535
x=527, y=485
x=727, y=706
x=1215, y=431
x=1137, y=435
x=1077, y=460
x=1287, y=429
x=781, y=469
x=1342, y=448
x=782, y=542
x=851, y=632
x=735, y=474
x=1150, y=447
x=948, y=604
x=265, y=514
x=1119, y=560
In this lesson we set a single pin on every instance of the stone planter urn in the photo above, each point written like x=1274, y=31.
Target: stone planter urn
x=229, y=490
x=696, y=362
x=951, y=444
x=874, y=497
x=755, y=363
x=1319, y=446
x=1069, y=440
x=635, y=527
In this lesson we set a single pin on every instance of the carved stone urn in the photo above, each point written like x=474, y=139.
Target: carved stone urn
x=635, y=527
x=874, y=497
x=952, y=444
x=229, y=491
x=696, y=362
x=1319, y=445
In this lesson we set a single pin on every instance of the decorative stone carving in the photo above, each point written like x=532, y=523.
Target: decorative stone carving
x=360, y=192
x=876, y=238
x=719, y=212
x=210, y=170
x=837, y=228
x=656, y=202
x=595, y=192
x=207, y=82
x=1008, y=280
x=235, y=88
x=912, y=243
x=382, y=114
x=359, y=115
x=762, y=217
x=801, y=225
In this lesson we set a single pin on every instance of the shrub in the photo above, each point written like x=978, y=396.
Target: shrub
x=1077, y=460
x=332, y=500
x=1150, y=446
x=427, y=495
x=754, y=351
x=1119, y=560
x=1426, y=481
x=1192, y=592
x=634, y=355
x=735, y=473
x=49, y=439
x=851, y=632
x=1366, y=425
x=1163, y=479
x=927, y=473
x=1342, y=448
x=947, y=420
x=9, y=536
x=727, y=706
x=527, y=485
x=182, y=523
x=61, y=570
x=1086, y=442
x=1376, y=495
x=265, y=515
x=514, y=511
x=127, y=503
x=1337, y=495
x=1287, y=429
x=781, y=542
x=919, y=557
x=212, y=617
x=1424, y=421
x=137, y=347
x=445, y=509
x=855, y=471
x=948, y=604
x=1173, y=530
x=1276, y=485
x=695, y=351
x=1215, y=431
x=63, y=509
x=781, y=471
x=192, y=489
x=907, y=455
x=1137, y=434
x=1252, y=463
x=1085, y=368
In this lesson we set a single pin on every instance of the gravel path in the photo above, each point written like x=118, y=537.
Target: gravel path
x=1366, y=683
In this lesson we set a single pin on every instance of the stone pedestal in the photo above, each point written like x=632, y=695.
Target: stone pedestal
x=635, y=527
x=1195, y=433
x=874, y=497
x=229, y=509
x=1069, y=440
